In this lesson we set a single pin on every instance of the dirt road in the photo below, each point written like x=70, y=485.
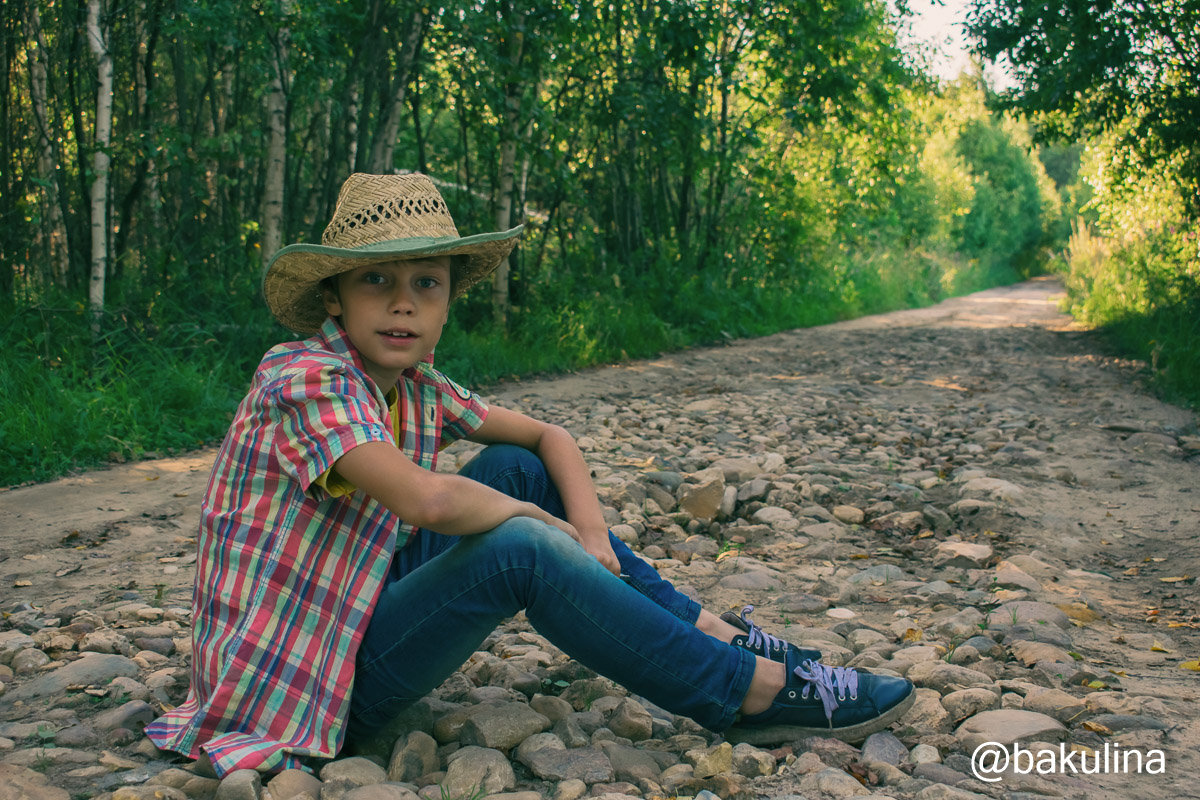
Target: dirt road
x=887, y=443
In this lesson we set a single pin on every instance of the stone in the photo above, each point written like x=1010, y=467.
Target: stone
x=291, y=782
x=29, y=661
x=940, y=791
x=966, y=703
x=993, y=488
x=388, y=791
x=946, y=678
x=880, y=573
x=884, y=747
x=502, y=727
x=585, y=763
x=412, y=757
x=91, y=669
x=631, y=764
x=149, y=791
x=241, y=784
x=851, y=515
x=924, y=754
x=940, y=774
x=710, y=761
x=965, y=555
x=11, y=643
x=631, y=720
x=474, y=769
x=703, y=500
x=1030, y=653
x=899, y=523
x=927, y=714
x=833, y=783
x=961, y=625
x=798, y=603
x=751, y=761
x=571, y=789
x=779, y=519
x=133, y=715
x=1007, y=726
x=1055, y=703
x=551, y=707
x=340, y=777
x=20, y=783
x=737, y=470
x=1010, y=576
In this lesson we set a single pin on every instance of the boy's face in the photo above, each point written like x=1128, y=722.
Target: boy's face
x=393, y=313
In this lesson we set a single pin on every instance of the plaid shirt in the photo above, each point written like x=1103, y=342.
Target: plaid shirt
x=287, y=575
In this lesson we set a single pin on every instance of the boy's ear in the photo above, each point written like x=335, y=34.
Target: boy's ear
x=329, y=296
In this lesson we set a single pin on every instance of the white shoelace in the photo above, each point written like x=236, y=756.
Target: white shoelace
x=831, y=684
x=758, y=637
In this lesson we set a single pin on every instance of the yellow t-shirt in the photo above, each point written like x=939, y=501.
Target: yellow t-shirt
x=335, y=484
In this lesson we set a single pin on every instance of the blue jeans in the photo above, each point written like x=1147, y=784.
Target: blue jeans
x=445, y=594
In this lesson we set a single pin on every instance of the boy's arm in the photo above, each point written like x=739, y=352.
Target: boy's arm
x=559, y=452
x=447, y=504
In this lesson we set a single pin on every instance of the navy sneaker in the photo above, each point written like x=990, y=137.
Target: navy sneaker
x=837, y=702
x=761, y=643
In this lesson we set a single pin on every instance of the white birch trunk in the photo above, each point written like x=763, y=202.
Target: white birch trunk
x=100, y=161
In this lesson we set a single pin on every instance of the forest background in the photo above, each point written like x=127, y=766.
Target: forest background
x=689, y=171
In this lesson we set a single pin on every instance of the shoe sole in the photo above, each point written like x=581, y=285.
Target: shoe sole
x=852, y=734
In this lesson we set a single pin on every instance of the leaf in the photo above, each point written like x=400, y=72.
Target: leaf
x=1194, y=666
x=1096, y=727
x=1158, y=648
x=1096, y=685
x=22, y=584
x=912, y=635
x=1179, y=579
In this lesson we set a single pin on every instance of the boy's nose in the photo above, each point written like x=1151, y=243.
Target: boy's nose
x=402, y=303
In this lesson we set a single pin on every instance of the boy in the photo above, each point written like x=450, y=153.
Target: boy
x=340, y=578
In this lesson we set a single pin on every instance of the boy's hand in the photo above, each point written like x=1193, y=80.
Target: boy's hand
x=595, y=541
x=603, y=552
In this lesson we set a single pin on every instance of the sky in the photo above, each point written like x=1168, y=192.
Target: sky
x=940, y=24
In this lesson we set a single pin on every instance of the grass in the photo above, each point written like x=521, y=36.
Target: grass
x=1142, y=293
x=169, y=383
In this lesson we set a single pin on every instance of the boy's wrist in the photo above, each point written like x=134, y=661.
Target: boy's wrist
x=593, y=533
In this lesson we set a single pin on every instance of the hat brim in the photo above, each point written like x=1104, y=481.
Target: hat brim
x=291, y=280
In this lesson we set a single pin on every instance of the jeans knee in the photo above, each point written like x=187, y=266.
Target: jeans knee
x=526, y=541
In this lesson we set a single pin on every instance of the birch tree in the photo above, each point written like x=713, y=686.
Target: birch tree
x=97, y=35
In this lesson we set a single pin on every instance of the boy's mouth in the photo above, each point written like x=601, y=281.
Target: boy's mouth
x=398, y=333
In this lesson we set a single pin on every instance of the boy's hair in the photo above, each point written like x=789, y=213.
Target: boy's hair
x=378, y=219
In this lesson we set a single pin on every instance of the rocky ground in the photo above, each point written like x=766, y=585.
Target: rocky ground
x=969, y=495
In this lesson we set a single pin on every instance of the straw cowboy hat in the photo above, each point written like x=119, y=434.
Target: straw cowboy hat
x=378, y=218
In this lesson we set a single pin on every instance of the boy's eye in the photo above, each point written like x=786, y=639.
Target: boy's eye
x=374, y=278
x=427, y=282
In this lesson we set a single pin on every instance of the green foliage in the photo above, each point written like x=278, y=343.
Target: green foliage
x=1089, y=68
x=1135, y=274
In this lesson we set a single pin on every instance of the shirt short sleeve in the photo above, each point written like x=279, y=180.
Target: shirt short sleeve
x=324, y=413
x=463, y=411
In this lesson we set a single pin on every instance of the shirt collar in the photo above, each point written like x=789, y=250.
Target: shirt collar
x=334, y=339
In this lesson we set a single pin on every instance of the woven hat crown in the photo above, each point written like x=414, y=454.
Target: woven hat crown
x=380, y=208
